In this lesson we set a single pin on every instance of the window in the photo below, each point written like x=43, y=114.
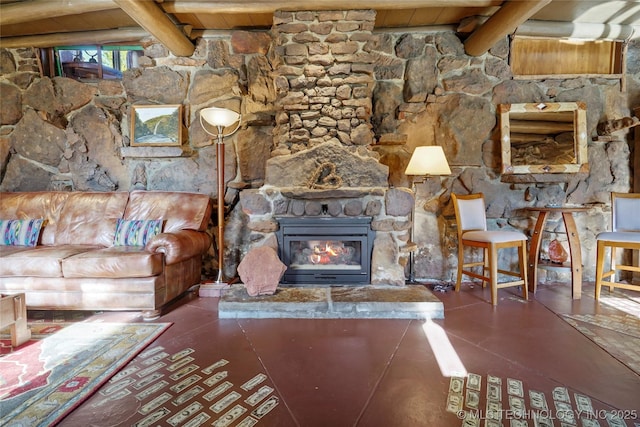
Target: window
x=95, y=62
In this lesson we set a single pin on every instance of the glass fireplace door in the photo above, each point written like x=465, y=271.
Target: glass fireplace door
x=325, y=259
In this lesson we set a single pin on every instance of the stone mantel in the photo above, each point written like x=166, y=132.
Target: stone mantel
x=337, y=193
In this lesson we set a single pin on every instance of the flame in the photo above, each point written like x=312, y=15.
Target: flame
x=325, y=252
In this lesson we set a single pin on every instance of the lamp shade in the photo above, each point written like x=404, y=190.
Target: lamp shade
x=428, y=160
x=216, y=116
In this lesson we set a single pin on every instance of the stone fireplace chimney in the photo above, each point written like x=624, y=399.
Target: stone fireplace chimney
x=325, y=79
x=322, y=165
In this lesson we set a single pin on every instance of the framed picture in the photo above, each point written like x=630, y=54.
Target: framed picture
x=156, y=125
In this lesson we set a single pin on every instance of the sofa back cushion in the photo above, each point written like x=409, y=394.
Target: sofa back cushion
x=90, y=218
x=179, y=210
x=46, y=205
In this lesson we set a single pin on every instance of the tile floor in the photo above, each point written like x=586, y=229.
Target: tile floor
x=355, y=372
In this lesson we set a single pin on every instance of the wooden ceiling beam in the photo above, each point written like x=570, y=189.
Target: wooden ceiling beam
x=500, y=24
x=16, y=13
x=269, y=6
x=81, y=37
x=153, y=19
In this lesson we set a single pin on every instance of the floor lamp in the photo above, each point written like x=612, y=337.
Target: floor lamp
x=425, y=161
x=221, y=118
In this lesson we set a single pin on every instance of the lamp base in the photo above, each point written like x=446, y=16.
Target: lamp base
x=220, y=278
x=212, y=289
x=410, y=247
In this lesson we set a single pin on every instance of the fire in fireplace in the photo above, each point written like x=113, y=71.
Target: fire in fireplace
x=329, y=250
x=333, y=254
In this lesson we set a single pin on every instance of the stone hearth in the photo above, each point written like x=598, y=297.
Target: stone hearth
x=332, y=302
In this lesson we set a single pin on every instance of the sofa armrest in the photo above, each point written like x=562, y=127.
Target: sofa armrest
x=179, y=245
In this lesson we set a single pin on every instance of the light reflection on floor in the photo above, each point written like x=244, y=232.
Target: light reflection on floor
x=448, y=360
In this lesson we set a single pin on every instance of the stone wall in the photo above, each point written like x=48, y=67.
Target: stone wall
x=61, y=134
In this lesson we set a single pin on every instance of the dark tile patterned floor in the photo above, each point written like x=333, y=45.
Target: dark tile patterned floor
x=549, y=358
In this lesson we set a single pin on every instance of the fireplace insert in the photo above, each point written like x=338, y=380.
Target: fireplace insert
x=329, y=250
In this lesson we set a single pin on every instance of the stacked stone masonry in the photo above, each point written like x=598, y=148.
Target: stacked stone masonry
x=325, y=79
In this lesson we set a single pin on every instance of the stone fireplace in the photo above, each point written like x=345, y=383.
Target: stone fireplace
x=286, y=196
x=322, y=168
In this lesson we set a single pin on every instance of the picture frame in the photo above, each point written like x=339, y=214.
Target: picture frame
x=543, y=138
x=156, y=125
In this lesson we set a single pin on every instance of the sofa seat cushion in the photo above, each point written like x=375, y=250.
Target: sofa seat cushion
x=41, y=261
x=10, y=250
x=114, y=262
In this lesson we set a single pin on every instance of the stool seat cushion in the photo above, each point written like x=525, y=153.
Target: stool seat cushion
x=494, y=236
x=620, y=236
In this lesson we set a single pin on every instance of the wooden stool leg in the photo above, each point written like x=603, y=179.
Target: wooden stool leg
x=522, y=250
x=599, y=268
x=612, y=268
x=486, y=259
x=493, y=273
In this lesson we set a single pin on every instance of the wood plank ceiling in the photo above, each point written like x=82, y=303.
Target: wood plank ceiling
x=176, y=23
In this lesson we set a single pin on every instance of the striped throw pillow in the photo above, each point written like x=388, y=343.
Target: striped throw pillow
x=20, y=232
x=136, y=232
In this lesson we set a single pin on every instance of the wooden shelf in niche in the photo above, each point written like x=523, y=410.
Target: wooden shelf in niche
x=542, y=178
x=536, y=57
x=151, y=152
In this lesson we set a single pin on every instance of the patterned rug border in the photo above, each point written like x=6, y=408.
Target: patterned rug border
x=111, y=352
x=620, y=308
x=618, y=348
x=613, y=322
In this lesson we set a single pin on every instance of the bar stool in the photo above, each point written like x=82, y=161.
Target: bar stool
x=472, y=231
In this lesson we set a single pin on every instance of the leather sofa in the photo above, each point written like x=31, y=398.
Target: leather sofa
x=75, y=264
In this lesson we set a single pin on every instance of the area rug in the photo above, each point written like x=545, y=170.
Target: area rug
x=617, y=334
x=46, y=378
